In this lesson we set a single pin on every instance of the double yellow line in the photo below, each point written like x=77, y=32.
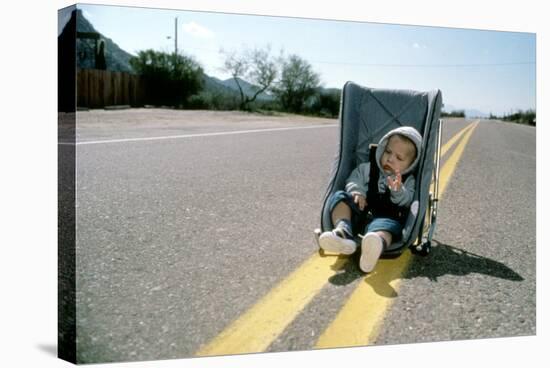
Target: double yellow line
x=356, y=324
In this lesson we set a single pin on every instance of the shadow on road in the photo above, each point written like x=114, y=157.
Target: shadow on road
x=50, y=349
x=443, y=260
x=349, y=273
x=448, y=260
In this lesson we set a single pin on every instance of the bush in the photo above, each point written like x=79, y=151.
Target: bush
x=169, y=79
x=522, y=117
x=326, y=103
x=212, y=101
x=453, y=114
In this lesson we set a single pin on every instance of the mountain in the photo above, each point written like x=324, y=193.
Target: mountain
x=470, y=113
x=248, y=89
x=217, y=86
x=116, y=58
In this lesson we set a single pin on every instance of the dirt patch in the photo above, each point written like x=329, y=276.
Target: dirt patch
x=169, y=116
x=148, y=122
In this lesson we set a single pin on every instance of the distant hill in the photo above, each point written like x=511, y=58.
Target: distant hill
x=216, y=86
x=248, y=89
x=469, y=113
x=116, y=58
x=472, y=113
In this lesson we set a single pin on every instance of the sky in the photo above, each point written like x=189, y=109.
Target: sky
x=489, y=71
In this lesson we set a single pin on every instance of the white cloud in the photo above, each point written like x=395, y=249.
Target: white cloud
x=416, y=45
x=197, y=30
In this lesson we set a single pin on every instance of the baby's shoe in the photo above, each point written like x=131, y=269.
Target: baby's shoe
x=340, y=240
x=372, y=246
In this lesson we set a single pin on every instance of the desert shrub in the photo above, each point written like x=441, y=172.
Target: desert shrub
x=453, y=114
x=169, y=79
x=522, y=117
x=325, y=103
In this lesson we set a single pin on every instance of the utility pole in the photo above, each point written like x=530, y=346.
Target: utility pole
x=176, y=37
x=175, y=43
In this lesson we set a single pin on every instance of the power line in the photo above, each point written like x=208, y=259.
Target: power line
x=424, y=65
x=474, y=65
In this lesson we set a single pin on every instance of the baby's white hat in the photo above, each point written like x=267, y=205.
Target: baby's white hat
x=408, y=132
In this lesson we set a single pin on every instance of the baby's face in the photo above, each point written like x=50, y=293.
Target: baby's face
x=398, y=155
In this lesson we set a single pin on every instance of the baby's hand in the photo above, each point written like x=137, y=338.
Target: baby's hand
x=395, y=184
x=360, y=200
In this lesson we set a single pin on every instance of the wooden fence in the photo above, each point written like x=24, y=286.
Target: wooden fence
x=101, y=88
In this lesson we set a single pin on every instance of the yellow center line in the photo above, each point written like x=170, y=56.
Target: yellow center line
x=359, y=320
x=449, y=167
x=450, y=143
x=447, y=146
x=257, y=328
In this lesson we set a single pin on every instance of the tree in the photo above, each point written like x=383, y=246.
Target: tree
x=255, y=66
x=297, y=84
x=326, y=102
x=522, y=117
x=170, y=79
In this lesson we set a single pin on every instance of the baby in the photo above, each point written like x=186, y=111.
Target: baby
x=383, y=194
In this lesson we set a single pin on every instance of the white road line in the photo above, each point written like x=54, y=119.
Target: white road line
x=197, y=135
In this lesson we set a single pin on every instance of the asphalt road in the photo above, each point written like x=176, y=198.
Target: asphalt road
x=480, y=280
x=176, y=238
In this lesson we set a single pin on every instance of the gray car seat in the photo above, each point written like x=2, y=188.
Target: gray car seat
x=366, y=114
